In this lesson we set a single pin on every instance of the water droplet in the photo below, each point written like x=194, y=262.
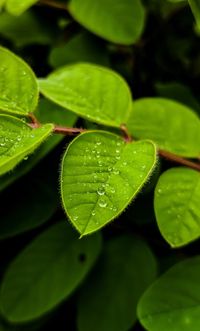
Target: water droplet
x=124, y=163
x=110, y=168
x=25, y=158
x=75, y=218
x=102, y=203
x=159, y=191
x=93, y=213
x=101, y=190
x=116, y=171
x=98, y=143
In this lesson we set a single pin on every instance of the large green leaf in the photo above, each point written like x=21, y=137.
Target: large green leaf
x=84, y=47
x=38, y=195
x=91, y=91
x=177, y=207
x=173, y=301
x=109, y=299
x=119, y=21
x=17, y=7
x=173, y=126
x=101, y=174
x=18, y=85
x=46, y=272
x=17, y=140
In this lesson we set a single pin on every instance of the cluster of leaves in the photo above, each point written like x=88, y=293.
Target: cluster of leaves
x=121, y=70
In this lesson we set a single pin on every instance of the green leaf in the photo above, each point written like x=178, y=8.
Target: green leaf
x=36, y=195
x=109, y=299
x=173, y=126
x=119, y=21
x=17, y=140
x=93, y=92
x=100, y=176
x=84, y=47
x=24, y=30
x=178, y=92
x=61, y=262
x=172, y=302
x=47, y=112
x=177, y=197
x=17, y=7
x=195, y=7
x=18, y=85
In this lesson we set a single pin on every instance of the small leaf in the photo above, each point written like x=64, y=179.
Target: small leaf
x=17, y=140
x=195, y=7
x=100, y=176
x=119, y=21
x=47, y=112
x=173, y=301
x=107, y=302
x=173, y=126
x=91, y=91
x=17, y=7
x=37, y=196
x=61, y=262
x=18, y=85
x=24, y=30
x=84, y=47
x=177, y=197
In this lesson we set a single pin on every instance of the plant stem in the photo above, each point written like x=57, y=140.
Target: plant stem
x=180, y=160
x=67, y=131
x=53, y=4
x=74, y=131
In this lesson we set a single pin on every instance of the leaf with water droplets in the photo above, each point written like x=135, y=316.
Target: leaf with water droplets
x=172, y=125
x=18, y=85
x=18, y=140
x=177, y=209
x=107, y=303
x=173, y=301
x=101, y=174
x=93, y=92
x=48, y=270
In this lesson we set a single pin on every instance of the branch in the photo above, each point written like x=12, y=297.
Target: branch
x=68, y=131
x=53, y=4
x=180, y=160
x=74, y=131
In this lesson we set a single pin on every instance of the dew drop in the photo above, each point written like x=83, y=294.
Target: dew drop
x=93, y=213
x=101, y=191
x=102, y=203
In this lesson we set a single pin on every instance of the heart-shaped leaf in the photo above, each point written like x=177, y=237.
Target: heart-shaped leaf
x=107, y=303
x=177, y=209
x=173, y=301
x=172, y=125
x=18, y=85
x=101, y=174
x=17, y=140
x=61, y=261
x=119, y=21
x=91, y=91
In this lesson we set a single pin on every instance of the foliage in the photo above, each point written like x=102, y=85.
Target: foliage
x=99, y=165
